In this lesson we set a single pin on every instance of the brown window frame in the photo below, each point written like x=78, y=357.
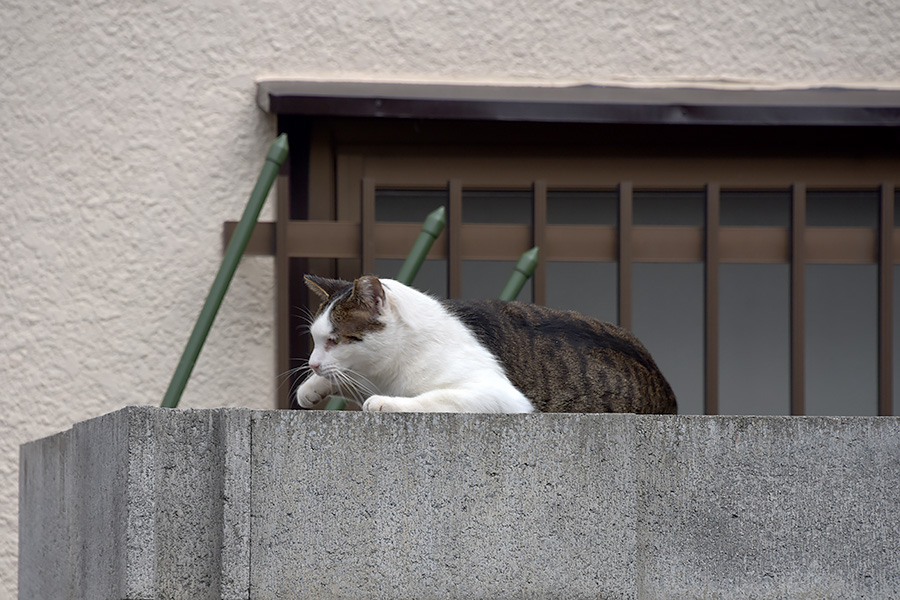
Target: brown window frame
x=326, y=198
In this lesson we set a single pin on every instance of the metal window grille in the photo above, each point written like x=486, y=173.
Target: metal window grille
x=338, y=229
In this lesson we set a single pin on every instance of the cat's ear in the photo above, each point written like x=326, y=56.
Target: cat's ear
x=323, y=287
x=369, y=292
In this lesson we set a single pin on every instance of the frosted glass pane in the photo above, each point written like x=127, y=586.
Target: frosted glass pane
x=755, y=209
x=841, y=340
x=842, y=209
x=596, y=207
x=432, y=276
x=754, y=339
x=590, y=288
x=407, y=206
x=412, y=206
x=497, y=206
x=668, y=319
x=669, y=208
x=485, y=279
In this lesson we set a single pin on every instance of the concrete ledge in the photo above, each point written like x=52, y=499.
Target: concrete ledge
x=153, y=503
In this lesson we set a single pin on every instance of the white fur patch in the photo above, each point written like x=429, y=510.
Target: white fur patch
x=423, y=360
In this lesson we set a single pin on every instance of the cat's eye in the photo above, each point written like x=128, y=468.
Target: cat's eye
x=352, y=338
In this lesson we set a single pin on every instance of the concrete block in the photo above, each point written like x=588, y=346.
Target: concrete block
x=442, y=506
x=138, y=504
x=72, y=512
x=148, y=503
x=775, y=507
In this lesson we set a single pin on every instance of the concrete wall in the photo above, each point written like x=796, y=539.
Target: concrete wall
x=150, y=503
x=129, y=133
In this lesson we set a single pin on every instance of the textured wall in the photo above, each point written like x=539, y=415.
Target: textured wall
x=128, y=133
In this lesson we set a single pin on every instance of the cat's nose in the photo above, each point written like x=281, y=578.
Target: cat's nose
x=315, y=366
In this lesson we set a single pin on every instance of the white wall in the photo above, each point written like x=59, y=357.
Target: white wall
x=129, y=133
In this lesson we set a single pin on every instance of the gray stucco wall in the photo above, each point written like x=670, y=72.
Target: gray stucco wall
x=229, y=503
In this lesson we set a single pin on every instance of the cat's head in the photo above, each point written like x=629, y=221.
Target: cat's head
x=350, y=313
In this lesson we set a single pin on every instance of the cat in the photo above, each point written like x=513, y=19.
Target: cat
x=393, y=348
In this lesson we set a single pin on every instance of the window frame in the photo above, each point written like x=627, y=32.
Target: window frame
x=327, y=189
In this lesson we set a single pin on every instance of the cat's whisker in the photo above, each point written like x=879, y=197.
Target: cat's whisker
x=306, y=316
x=303, y=312
x=293, y=371
x=346, y=391
x=362, y=382
x=304, y=371
x=343, y=384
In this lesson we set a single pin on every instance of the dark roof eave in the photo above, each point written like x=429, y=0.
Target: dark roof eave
x=584, y=104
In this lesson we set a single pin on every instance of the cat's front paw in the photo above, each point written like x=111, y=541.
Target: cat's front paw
x=382, y=404
x=312, y=391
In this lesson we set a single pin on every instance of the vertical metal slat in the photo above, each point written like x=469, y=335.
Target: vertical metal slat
x=885, y=302
x=283, y=328
x=349, y=205
x=454, y=239
x=711, y=345
x=367, y=231
x=626, y=253
x=539, y=228
x=798, y=286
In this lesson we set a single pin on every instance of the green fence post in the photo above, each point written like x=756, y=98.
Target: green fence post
x=274, y=159
x=431, y=229
x=523, y=271
x=336, y=403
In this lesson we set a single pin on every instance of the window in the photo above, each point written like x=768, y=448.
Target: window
x=757, y=264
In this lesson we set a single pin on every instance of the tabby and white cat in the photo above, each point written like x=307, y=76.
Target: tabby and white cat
x=393, y=348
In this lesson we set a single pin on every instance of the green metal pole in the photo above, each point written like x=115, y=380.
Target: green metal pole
x=274, y=159
x=336, y=403
x=431, y=229
x=524, y=270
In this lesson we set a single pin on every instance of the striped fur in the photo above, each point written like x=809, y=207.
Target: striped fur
x=566, y=362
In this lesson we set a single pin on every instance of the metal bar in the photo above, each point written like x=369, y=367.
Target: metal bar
x=580, y=243
x=282, y=293
x=349, y=208
x=367, y=228
x=650, y=243
x=511, y=167
x=521, y=274
x=454, y=239
x=711, y=346
x=625, y=253
x=539, y=229
x=798, y=266
x=479, y=241
x=274, y=159
x=886, y=303
x=431, y=229
x=666, y=243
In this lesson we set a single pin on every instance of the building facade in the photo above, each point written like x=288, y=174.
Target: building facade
x=130, y=132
